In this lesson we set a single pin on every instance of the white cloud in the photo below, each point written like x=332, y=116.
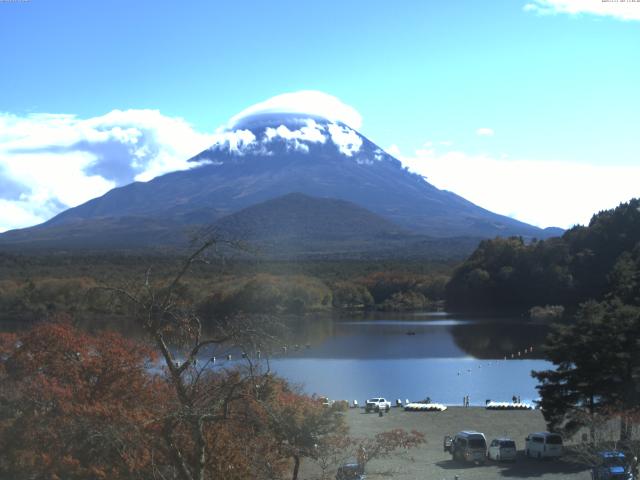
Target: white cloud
x=18, y=214
x=235, y=140
x=49, y=162
x=310, y=102
x=292, y=138
x=623, y=10
x=485, y=132
x=312, y=132
x=543, y=193
x=347, y=140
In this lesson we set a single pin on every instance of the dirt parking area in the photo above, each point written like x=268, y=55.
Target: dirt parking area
x=431, y=462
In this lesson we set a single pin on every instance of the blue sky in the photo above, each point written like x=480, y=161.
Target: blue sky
x=553, y=83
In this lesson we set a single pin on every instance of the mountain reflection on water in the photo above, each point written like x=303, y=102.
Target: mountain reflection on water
x=426, y=335
x=385, y=335
x=412, y=356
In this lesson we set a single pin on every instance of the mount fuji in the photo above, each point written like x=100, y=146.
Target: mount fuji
x=266, y=156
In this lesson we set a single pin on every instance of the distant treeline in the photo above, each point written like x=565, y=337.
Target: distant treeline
x=39, y=287
x=597, y=262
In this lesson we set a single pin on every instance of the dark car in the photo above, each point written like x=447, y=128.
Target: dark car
x=612, y=465
x=350, y=471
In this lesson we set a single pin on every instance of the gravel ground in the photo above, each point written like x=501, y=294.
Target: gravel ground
x=431, y=462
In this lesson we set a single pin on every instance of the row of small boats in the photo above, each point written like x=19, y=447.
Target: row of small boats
x=508, y=406
x=424, y=407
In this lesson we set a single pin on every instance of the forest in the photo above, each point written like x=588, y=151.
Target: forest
x=592, y=262
x=38, y=286
x=508, y=275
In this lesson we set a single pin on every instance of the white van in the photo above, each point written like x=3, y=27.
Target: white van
x=543, y=445
x=467, y=446
x=502, y=449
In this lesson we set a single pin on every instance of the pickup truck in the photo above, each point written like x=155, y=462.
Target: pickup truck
x=377, y=404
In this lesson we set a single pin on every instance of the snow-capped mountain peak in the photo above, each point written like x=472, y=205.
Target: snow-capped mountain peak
x=269, y=134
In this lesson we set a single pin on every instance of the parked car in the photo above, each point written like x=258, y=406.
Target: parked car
x=377, y=404
x=350, y=471
x=467, y=446
x=502, y=449
x=612, y=465
x=326, y=402
x=543, y=445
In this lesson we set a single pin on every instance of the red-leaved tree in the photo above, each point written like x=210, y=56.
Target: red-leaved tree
x=74, y=405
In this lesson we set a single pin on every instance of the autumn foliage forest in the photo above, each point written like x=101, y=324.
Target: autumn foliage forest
x=39, y=285
x=77, y=405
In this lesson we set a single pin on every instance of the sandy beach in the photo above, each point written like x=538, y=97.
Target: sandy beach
x=431, y=462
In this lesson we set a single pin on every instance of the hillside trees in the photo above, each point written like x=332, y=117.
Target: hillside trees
x=36, y=287
x=404, y=291
x=585, y=263
x=624, y=278
x=597, y=372
x=31, y=299
x=267, y=294
x=505, y=273
x=351, y=295
x=271, y=294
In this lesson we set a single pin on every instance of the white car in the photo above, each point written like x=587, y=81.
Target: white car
x=502, y=449
x=377, y=404
x=543, y=445
x=326, y=402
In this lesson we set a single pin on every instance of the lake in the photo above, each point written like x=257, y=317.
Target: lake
x=403, y=356
x=414, y=356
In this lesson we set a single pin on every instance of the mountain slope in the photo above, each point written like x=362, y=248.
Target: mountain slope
x=297, y=225
x=290, y=226
x=299, y=217
x=267, y=156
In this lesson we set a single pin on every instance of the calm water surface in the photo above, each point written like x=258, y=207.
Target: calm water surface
x=407, y=356
x=414, y=356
